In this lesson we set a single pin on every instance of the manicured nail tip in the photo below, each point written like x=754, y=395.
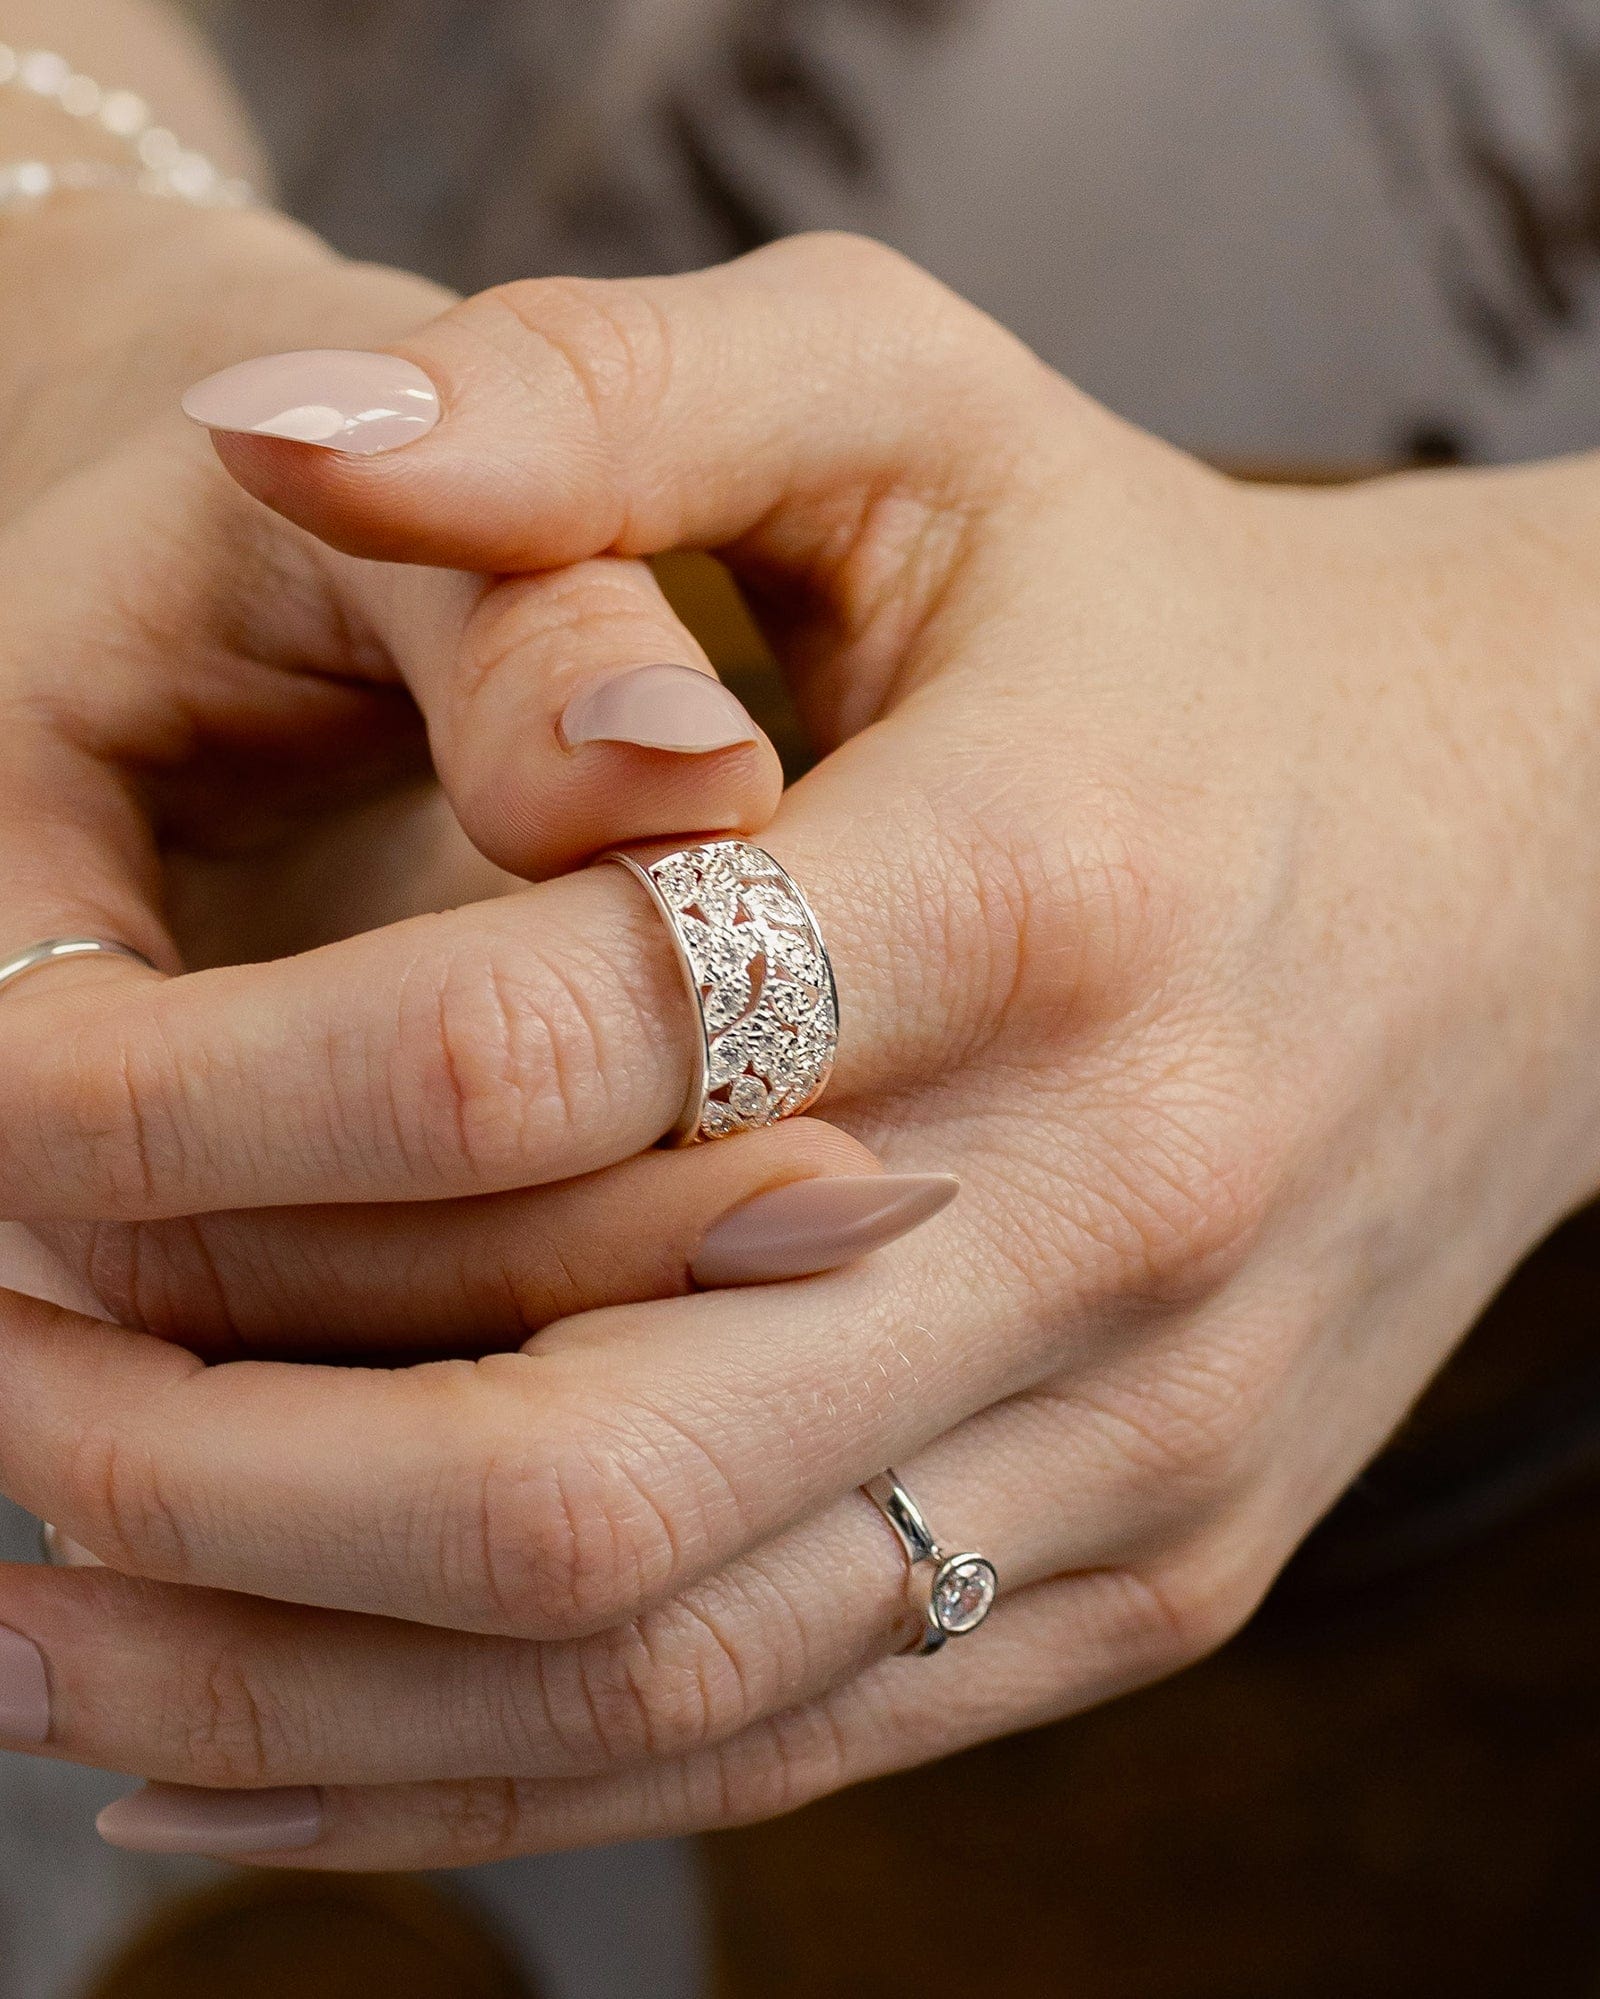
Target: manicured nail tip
x=339, y=399
x=62, y=1552
x=170, y=1818
x=24, y=1691
x=811, y=1226
x=662, y=707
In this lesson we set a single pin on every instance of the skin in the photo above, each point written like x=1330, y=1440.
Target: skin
x=1211, y=876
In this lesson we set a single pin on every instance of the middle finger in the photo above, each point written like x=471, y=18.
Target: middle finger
x=387, y=1281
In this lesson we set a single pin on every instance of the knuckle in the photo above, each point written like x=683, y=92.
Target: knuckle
x=1188, y=1183
x=505, y=1055
x=221, y=1725
x=1196, y=1425
x=849, y=258
x=161, y=1278
x=573, y=1539
x=118, y=1505
x=695, y=1687
x=609, y=339
x=1050, y=931
x=948, y=350
x=656, y=1688
x=793, y=1760
x=1184, y=1615
x=476, y=1820
x=114, y=1088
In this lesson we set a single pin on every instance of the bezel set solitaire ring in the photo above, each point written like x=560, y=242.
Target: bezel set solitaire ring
x=951, y=1594
x=756, y=968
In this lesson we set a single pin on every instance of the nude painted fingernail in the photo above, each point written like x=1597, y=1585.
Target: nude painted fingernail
x=815, y=1225
x=359, y=404
x=659, y=708
x=62, y=1552
x=170, y=1818
x=24, y=1690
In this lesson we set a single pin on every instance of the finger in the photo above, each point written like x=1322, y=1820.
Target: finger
x=821, y=411
x=198, y=1687
x=533, y=1038
x=546, y=1493
x=151, y=613
x=569, y=711
x=567, y=419
x=478, y=1276
x=1054, y=1650
x=524, y=1040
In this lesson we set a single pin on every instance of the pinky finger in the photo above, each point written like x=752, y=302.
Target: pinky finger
x=1047, y=1652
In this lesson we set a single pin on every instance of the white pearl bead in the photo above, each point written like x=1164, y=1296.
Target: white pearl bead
x=124, y=113
x=44, y=73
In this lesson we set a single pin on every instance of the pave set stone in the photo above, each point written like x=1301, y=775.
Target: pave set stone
x=765, y=993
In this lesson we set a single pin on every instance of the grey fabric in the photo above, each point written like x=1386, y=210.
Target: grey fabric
x=1286, y=229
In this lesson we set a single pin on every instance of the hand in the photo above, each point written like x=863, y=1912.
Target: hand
x=220, y=746
x=1202, y=883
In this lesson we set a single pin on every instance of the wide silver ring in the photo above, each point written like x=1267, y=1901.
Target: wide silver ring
x=757, y=970
x=951, y=1594
x=58, y=950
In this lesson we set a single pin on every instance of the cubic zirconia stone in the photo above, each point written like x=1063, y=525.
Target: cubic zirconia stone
x=718, y=1121
x=729, y=1058
x=718, y=897
x=790, y=1003
x=750, y=1100
x=794, y=955
x=784, y=1068
x=772, y=903
x=727, y=1001
x=964, y=1594
x=678, y=881
x=717, y=954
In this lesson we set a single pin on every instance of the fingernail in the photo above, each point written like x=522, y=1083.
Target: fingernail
x=62, y=1552
x=343, y=400
x=659, y=708
x=170, y=1818
x=815, y=1225
x=24, y=1690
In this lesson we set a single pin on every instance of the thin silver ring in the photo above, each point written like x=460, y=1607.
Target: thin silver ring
x=757, y=970
x=951, y=1594
x=57, y=950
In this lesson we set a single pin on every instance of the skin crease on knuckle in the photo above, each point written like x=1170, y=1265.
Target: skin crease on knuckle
x=498, y=1060
x=612, y=347
x=570, y=1537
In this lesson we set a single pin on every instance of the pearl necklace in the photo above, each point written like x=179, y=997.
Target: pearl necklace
x=159, y=164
